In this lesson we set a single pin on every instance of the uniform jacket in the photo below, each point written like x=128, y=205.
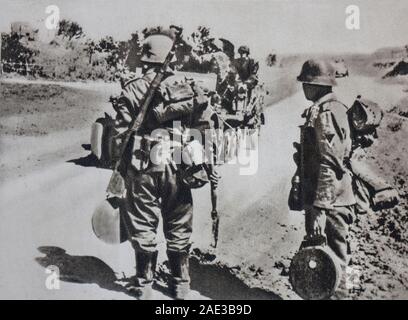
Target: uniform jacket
x=247, y=70
x=328, y=121
x=161, y=114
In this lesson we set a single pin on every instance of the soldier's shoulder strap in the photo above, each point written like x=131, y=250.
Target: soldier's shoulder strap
x=313, y=112
x=133, y=91
x=133, y=81
x=330, y=104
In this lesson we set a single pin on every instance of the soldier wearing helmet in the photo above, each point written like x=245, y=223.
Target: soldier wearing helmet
x=327, y=195
x=155, y=189
x=246, y=68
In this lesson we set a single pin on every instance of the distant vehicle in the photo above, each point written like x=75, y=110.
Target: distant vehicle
x=341, y=68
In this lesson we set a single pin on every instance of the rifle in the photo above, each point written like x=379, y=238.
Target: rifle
x=116, y=184
x=214, y=212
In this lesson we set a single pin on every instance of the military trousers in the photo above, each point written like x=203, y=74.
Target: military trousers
x=338, y=221
x=151, y=194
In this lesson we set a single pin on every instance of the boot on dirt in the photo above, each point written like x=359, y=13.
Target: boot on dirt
x=179, y=268
x=342, y=291
x=145, y=269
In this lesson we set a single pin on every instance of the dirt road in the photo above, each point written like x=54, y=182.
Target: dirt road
x=48, y=192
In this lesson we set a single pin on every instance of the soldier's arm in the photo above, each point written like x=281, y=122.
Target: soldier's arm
x=252, y=81
x=333, y=136
x=129, y=101
x=123, y=114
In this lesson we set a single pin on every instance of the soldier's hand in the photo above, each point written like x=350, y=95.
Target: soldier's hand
x=315, y=222
x=214, y=178
x=319, y=224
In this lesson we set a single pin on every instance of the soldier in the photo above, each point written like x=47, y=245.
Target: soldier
x=326, y=183
x=156, y=189
x=246, y=68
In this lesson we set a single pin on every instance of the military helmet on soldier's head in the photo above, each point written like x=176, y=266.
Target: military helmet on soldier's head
x=156, y=47
x=317, y=72
x=243, y=49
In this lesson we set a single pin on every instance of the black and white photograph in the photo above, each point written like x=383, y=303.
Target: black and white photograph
x=203, y=150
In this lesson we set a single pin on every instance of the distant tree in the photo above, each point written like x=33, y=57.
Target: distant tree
x=202, y=40
x=14, y=50
x=132, y=58
x=90, y=49
x=70, y=29
x=107, y=44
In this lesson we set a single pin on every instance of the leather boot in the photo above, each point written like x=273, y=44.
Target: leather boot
x=179, y=268
x=342, y=291
x=145, y=269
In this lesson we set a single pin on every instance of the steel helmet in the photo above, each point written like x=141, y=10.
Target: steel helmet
x=365, y=115
x=243, y=49
x=156, y=47
x=106, y=222
x=318, y=72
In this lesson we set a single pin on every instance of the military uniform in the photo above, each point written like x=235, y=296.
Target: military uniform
x=247, y=70
x=156, y=188
x=327, y=181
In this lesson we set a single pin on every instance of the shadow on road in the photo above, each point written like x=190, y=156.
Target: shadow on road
x=89, y=161
x=217, y=282
x=86, y=269
x=86, y=146
x=79, y=269
x=209, y=280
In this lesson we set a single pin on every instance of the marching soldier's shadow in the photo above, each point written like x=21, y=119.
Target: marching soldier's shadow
x=79, y=269
x=210, y=281
x=219, y=283
x=88, y=161
x=82, y=269
x=215, y=282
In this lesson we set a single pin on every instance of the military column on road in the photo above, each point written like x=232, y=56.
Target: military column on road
x=156, y=114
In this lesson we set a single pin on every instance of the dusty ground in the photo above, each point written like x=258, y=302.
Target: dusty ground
x=49, y=189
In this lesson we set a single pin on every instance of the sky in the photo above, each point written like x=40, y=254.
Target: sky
x=285, y=26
